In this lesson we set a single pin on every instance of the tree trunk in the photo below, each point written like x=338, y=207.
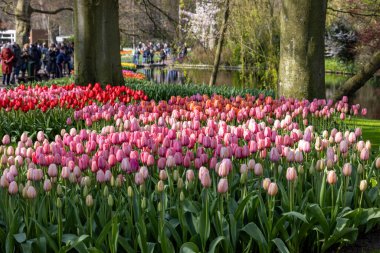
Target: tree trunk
x=97, y=42
x=219, y=47
x=53, y=31
x=357, y=81
x=302, y=69
x=22, y=19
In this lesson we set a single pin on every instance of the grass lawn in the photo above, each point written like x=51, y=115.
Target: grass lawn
x=371, y=130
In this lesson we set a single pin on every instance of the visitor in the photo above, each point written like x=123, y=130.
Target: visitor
x=44, y=52
x=136, y=56
x=7, y=58
x=17, y=63
x=52, y=61
x=24, y=60
x=70, y=57
x=167, y=50
x=34, y=62
x=60, y=62
x=146, y=54
x=162, y=56
x=151, y=54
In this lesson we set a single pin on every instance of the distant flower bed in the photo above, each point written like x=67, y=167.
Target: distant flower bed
x=128, y=66
x=126, y=52
x=132, y=75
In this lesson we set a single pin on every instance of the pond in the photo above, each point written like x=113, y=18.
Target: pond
x=367, y=96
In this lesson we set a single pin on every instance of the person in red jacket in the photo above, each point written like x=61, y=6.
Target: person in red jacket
x=7, y=57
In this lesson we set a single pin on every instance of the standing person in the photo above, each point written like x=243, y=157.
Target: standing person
x=136, y=56
x=151, y=54
x=24, y=60
x=7, y=58
x=44, y=52
x=146, y=55
x=60, y=62
x=162, y=56
x=70, y=57
x=17, y=63
x=52, y=61
x=34, y=62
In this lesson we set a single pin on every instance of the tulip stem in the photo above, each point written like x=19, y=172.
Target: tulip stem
x=332, y=202
x=291, y=196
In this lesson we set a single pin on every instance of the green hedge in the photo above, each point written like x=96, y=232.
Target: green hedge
x=165, y=91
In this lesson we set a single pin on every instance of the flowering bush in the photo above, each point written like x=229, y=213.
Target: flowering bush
x=197, y=173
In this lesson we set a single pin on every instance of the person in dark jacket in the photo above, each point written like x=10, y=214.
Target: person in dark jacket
x=17, y=63
x=60, y=62
x=52, y=67
x=34, y=62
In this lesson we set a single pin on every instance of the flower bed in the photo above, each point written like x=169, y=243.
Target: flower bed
x=190, y=174
x=128, y=66
x=130, y=75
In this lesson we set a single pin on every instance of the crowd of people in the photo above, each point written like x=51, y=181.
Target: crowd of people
x=35, y=60
x=149, y=50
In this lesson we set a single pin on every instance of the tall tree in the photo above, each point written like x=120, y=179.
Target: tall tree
x=302, y=69
x=23, y=13
x=219, y=47
x=97, y=42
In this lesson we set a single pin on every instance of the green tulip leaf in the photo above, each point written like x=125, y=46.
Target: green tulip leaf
x=280, y=245
x=189, y=247
x=215, y=243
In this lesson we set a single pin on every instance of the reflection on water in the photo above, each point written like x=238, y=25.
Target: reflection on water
x=367, y=96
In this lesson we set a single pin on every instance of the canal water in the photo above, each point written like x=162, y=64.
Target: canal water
x=367, y=96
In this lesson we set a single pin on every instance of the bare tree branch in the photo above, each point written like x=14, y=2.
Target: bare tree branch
x=353, y=13
x=161, y=11
x=51, y=12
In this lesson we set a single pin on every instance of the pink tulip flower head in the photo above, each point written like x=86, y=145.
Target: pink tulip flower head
x=13, y=188
x=331, y=177
x=272, y=189
x=223, y=185
x=291, y=174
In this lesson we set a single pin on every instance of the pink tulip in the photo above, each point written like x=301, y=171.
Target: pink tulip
x=190, y=175
x=47, y=185
x=225, y=167
x=291, y=174
x=251, y=164
x=274, y=155
x=13, y=188
x=139, y=178
x=343, y=146
x=364, y=154
x=331, y=177
x=223, y=185
x=272, y=189
x=258, y=169
x=161, y=163
x=100, y=177
x=205, y=180
x=31, y=192
x=347, y=169
x=163, y=175
x=6, y=139
x=65, y=172
x=298, y=156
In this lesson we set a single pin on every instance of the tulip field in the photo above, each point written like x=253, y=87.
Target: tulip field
x=115, y=169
